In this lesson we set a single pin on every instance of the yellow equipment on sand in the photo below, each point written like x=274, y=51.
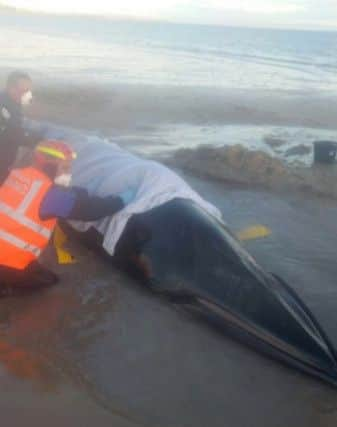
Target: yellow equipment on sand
x=253, y=232
x=60, y=239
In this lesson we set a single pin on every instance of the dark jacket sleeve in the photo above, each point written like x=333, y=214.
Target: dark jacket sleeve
x=91, y=208
x=12, y=134
x=9, y=142
x=76, y=204
x=10, y=113
x=12, y=122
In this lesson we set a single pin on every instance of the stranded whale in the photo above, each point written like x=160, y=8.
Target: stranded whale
x=177, y=244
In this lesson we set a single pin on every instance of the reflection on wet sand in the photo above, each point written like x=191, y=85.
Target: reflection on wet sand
x=32, y=324
x=102, y=342
x=45, y=335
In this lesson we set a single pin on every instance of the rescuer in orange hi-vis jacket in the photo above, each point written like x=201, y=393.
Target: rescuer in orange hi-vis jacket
x=31, y=201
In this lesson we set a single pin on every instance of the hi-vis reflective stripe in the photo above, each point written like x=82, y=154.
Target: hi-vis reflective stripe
x=23, y=220
x=18, y=243
x=34, y=189
x=55, y=153
x=52, y=152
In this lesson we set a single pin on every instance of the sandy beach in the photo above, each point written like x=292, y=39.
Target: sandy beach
x=121, y=355
x=237, y=121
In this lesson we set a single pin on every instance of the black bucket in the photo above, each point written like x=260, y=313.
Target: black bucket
x=325, y=151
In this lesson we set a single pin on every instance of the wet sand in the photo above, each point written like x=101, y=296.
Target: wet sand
x=110, y=353
x=252, y=137
x=118, y=108
x=105, y=351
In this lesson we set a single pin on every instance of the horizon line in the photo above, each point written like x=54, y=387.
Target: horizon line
x=309, y=28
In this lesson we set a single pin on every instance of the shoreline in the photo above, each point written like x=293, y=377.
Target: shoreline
x=263, y=165
x=123, y=106
x=174, y=129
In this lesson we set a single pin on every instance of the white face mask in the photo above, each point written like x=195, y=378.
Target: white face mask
x=64, y=180
x=26, y=98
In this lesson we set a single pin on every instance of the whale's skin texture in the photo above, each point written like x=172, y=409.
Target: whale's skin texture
x=183, y=253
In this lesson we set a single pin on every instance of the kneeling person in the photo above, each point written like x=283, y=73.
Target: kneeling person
x=32, y=199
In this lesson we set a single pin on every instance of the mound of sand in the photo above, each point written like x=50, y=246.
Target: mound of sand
x=239, y=165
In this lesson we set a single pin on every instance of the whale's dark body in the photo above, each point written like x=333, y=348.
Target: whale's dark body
x=193, y=258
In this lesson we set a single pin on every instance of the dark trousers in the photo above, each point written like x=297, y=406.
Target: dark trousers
x=33, y=277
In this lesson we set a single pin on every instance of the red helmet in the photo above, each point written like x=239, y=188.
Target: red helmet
x=53, y=152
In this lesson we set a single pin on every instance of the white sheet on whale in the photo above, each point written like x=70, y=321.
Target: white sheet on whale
x=103, y=168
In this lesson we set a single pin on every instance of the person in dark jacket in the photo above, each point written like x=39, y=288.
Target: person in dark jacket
x=16, y=96
x=32, y=199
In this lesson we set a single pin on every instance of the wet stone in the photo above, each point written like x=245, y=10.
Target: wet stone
x=299, y=150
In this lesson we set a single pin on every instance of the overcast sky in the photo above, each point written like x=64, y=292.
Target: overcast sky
x=267, y=13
